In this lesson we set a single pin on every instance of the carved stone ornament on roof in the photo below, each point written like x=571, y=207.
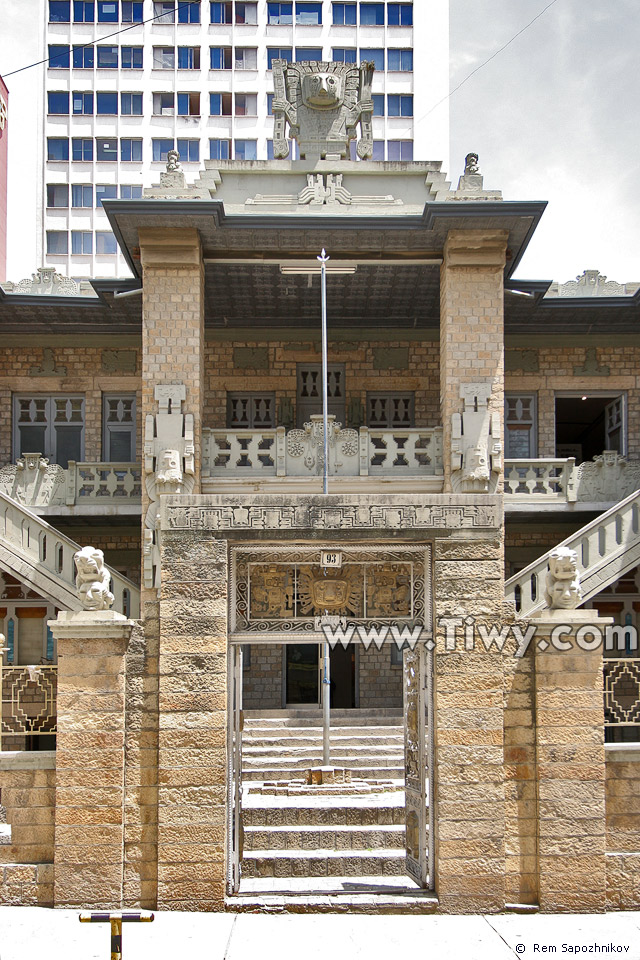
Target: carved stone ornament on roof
x=47, y=283
x=591, y=283
x=322, y=103
x=324, y=190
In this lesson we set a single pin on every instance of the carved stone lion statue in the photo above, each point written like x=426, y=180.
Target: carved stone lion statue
x=563, y=591
x=92, y=579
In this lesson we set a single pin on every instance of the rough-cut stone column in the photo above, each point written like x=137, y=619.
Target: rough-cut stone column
x=89, y=827
x=471, y=323
x=570, y=765
x=192, y=719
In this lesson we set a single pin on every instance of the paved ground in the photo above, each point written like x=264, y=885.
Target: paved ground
x=31, y=932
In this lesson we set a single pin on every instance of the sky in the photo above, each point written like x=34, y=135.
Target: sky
x=554, y=116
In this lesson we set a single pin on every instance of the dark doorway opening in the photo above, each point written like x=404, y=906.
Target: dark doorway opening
x=586, y=425
x=343, y=677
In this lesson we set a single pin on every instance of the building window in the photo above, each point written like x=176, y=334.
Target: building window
x=344, y=14
x=164, y=58
x=246, y=149
x=520, y=425
x=83, y=58
x=131, y=58
x=378, y=104
x=188, y=58
x=132, y=11
x=400, y=105
x=309, y=14
x=81, y=195
x=105, y=191
x=106, y=104
x=400, y=14
x=52, y=425
x=246, y=104
x=372, y=14
x=83, y=11
x=375, y=55
x=400, y=150
x=131, y=104
x=59, y=56
x=189, y=150
x=107, y=149
x=313, y=54
x=82, y=149
x=220, y=58
x=189, y=12
x=390, y=410
x=160, y=149
x=57, y=195
x=378, y=148
x=188, y=104
x=119, y=428
x=82, y=103
x=278, y=53
x=251, y=411
x=344, y=54
x=246, y=12
x=131, y=150
x=58, y=103
x=107, y=58
x=246, y=58
x=220, y=106
x=164, y=11
x=219, y=149
x=57, y=244
x=220, y=12
x=130, y=191
x=107, y=11
x=57, y=148
x=81, y=242
x=163, y=104
x=400, y=60
x=105, y=242
x=280, y=14
x=59, y=11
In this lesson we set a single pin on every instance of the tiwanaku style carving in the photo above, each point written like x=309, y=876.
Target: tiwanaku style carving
x=323, y=103
x=476, y=446
x=46, y=282
x=92, y=579
x=32, y=480
x=308, y=443
x=563, y=591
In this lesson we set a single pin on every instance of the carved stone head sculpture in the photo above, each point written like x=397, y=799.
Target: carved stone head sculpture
x=92, y=579
x=563, y=590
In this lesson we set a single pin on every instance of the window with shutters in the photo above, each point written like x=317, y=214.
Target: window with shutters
x=390, y=410
x=251, y=411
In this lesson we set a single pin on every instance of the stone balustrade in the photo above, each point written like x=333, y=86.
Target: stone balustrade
x=36, y=483
x=608, y=478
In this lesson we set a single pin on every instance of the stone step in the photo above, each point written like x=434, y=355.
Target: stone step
x=296, y=728
x=284, y=772
x=367, y=895
x=302, y=759
x=253, y=751
x=322, y=863
x=314, y=714
x=324, y=837
x=300, y=788
x=252, y=738
x=352, y=811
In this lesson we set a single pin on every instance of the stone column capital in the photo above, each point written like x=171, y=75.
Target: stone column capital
x=91, y=624
x=177, y=248
x=476, y=248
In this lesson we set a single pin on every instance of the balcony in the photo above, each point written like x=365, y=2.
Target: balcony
x=559, y=484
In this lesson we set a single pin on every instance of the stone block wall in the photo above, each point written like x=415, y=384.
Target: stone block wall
x=380, y=680
x=27, y=786
x=623, y=826
x=262, y=679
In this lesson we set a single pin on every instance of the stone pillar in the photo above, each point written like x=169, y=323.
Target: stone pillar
x=90, y=787
x=471, y=327
x=570, y=763
x=192, y=722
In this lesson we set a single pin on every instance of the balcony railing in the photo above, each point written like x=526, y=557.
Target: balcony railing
x=36, y=483
x=28, y=706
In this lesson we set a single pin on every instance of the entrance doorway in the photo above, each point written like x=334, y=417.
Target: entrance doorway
x=587, y=424
x=302, y=682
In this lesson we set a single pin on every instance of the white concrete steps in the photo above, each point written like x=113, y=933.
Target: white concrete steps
x=322, y=863
x=324, y=837
x=367, y=895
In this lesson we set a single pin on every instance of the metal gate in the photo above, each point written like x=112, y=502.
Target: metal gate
x=418, y=756
x=234, y=768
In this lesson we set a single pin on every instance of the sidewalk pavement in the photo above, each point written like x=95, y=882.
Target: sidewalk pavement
x=34, y=932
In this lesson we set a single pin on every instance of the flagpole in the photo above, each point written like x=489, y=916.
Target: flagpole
x=325, y=393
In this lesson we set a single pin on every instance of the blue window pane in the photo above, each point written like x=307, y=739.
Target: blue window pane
x=378, y=150
x=188, y=58
x=106, y=149
x=11, y=640
x=344, y=54
x=400, y=105
x=83, y=58
x=82, y=103
x=246, y=149
x=58, y=103
x=131, y=150
x=344, y=14
x=220, y=58
x=59, y=56
x=81, y=195
x=375, y=55
x=278, y=53
x=378, y=104
x=161, y=149
x=132, y=11
x=82, y=149
x=313, y=54
x=189, y=13
x=81, y=242
x=105, y=242
x=131, y=58
x=183, y=104
x=108, y=58
x=57, y=242
x=131, y=104
x=107, y=11
x=59, y=11
x=189, y=150
x=220, y=12
x=57, y=148
x=83, y=11
x=105, y=191
x=400, y=60
x=57, y=195
x=107, y=103
x=372, y=14
x=130, y=191
x=400, y=150
x=215, y=104
x=49, y=644
x=400, y=14
x=309, y=14
x=280, y=13
x=219, y=149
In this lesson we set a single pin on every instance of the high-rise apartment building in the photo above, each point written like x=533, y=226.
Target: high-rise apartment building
x=129, y=80
x=4, y=163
